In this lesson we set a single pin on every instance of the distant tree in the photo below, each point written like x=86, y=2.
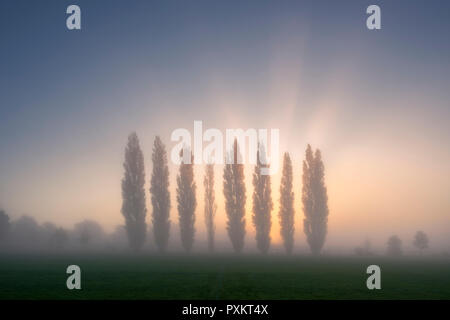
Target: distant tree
x=394, y=246
x=26, y=231
x=85, y=237
x=54, y=237
x=48, y=229
x=119, y=234
x=59, y=238
x=234, y=192
x=159, y=189
x=88, y=232
x=315, y=200
x=186, y=202
x=5, y=226
x=421, y=240
x=262, y=203
x=210, y=205
x=286, y=213
x=133, y=194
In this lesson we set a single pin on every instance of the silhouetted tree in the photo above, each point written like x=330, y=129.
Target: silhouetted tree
x=234, y=192
x=88, y=232
x=133, y=193
x=286, y=213
x=262, y=203
x=5, y=226
x=394, y=246
x=315, y=200
x=421, y=240
x=186, y=202
x=159, y=189
x=210, y=205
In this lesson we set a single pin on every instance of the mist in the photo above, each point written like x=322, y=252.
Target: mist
x=375, y=104
x=26, y=234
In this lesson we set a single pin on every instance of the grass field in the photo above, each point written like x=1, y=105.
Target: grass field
x=221, y=277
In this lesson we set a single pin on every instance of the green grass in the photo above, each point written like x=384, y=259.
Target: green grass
x=221, y=277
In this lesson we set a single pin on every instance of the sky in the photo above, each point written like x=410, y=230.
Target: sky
x=375, y=102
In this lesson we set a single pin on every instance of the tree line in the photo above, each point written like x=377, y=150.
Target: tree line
x=314, y=199
x=26, y=231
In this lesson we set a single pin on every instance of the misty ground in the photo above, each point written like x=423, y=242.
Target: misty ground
x=126, y=276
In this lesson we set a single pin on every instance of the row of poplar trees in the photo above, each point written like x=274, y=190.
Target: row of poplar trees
x=314, y=198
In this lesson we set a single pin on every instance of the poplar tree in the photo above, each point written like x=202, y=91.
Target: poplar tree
x=262, y=203
x=133, y=194
x=286, y=213
x=210, y=205
x=186, y=202
x=234, y=193
x=159, y=190
x=315, y=200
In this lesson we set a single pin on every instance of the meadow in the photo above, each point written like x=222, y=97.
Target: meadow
x=221, y=276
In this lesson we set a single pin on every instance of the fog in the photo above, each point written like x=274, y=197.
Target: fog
x=377, y=108
x=26, y=236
